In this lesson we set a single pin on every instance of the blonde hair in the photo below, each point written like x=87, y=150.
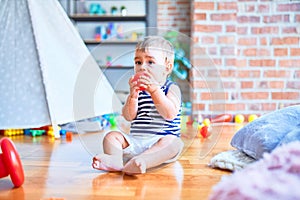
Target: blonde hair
x=157, y=43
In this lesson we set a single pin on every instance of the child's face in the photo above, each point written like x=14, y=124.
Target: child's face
x=154, y=62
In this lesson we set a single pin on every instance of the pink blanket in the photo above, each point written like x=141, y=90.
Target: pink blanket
x=275, y=176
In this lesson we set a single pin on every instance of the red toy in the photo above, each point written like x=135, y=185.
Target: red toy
x=136, y=78
x=204, y=132
x=10, y=163
x=222, y=118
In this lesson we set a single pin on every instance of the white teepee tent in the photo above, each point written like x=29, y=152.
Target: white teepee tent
x=48, y=75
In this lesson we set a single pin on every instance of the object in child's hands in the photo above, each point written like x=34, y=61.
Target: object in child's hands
x=137, y=77
x=239, y=118
x=10, y=163
x=222, y=118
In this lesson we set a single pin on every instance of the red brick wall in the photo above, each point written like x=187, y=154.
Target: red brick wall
x=174, y=15
x=246, y=53
x=246, y=56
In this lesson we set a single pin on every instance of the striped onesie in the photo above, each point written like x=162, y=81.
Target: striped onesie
x=149, y=122
x=148, y=126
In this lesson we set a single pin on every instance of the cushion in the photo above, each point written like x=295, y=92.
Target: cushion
x=266, y=132
x=291, y=136
x=231, y=160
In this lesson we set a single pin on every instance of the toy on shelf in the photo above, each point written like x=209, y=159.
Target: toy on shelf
x=81, y=7
x=114, y=10
x=108, y=61
x=123, y=11
x=10, y=163
x=120, y=32
x=96, y=9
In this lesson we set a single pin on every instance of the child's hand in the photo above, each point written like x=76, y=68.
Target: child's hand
x=134, y=88
x=149, y=82
x=144, y=81
x=138, y=78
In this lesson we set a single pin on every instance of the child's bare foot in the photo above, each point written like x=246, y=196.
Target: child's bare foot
x=107, y=163
x=135, y=166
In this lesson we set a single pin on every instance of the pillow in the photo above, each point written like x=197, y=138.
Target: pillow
x=294, y=135
x=266, y=132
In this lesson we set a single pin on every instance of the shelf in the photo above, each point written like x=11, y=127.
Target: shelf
x=102, y=18
x=109, y=41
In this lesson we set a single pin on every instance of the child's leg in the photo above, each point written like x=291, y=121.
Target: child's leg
x=165, y=149
x=112, y=158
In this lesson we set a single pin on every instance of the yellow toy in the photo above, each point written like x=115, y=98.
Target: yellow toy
x=252, y=117
x=239, y=118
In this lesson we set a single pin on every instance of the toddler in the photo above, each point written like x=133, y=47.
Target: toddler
x=154, y=113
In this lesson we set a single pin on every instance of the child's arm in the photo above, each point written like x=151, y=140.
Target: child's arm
x=129, y=110
x=167, y=105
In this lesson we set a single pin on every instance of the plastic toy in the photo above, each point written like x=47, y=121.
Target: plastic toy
x=123, y=11
x=190, y=121
x=114, y=10
x=10, y=163
x=204, y=132
x=136, y=78
x=69, y=136
x=113, y=121
x=222, y=118
x=35, y=132
x=252, y=117
x=50, y=131
x=239, y=119
x=108, y=61
x=206, y=122
x=62, y=132
x=96, y=9
x=13, y=132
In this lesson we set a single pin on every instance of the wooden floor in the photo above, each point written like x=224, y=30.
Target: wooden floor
x=60, y=169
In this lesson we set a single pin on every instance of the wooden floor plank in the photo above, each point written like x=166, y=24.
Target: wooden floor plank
x=57, y=169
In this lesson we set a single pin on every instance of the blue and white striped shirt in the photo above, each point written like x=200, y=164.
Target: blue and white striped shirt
x=149, y=122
